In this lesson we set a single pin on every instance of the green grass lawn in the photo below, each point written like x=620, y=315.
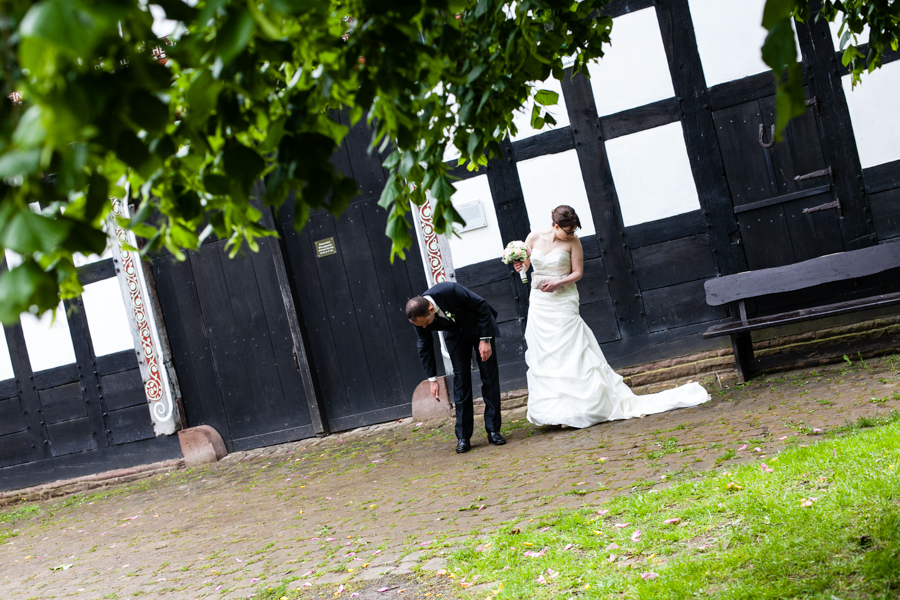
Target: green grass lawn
x=821, y=522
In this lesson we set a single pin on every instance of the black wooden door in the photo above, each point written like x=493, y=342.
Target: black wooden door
x=771, y=204
x=351, y=301
x=231, y=345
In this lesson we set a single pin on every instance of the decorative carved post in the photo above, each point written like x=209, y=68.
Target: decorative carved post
x=157, y=385
x=435, y=248
x=436, y=256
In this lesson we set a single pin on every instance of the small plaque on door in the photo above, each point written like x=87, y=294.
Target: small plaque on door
x=325, y=247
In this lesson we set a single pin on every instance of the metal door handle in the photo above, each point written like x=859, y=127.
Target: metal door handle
x=762, y=134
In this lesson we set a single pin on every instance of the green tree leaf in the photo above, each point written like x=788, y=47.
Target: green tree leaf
x=546, y=97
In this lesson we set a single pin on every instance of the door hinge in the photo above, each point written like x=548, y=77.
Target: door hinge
x=814, y=174
x=835, y=204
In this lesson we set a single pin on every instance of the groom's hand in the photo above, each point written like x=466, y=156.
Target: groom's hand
x=484, y=349
x=436, y=391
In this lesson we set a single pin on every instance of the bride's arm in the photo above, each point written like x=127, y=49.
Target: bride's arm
x=529, y=241
x=577, y=261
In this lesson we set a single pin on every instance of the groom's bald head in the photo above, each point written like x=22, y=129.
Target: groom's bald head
x=417, y=308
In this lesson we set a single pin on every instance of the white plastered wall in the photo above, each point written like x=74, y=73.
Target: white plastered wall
x=47, y=339
x=6, y=368
x=652, y=174
x=873, y=112
x=634, y=71
x=482, y=244
x=522, y=118
x=550, y=180
x=729, y=38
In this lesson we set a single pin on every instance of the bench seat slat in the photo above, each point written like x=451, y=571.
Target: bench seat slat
x=801, y=275
x=803, y=315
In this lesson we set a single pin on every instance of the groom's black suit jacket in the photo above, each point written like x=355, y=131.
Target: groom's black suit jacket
x=473, y=318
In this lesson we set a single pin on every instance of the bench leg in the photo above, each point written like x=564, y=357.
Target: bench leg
x=743, y=354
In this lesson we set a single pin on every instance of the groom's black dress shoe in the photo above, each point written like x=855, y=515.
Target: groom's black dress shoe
x=463, y=446
x=496, y=439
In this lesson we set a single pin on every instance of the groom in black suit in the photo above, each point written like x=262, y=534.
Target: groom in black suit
x=471, y=324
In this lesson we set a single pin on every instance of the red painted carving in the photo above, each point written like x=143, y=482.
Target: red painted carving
x=432, y=246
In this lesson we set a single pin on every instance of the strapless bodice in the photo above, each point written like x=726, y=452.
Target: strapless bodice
x=553, y=264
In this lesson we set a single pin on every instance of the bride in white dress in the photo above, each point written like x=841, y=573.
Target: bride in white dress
x=569, y=381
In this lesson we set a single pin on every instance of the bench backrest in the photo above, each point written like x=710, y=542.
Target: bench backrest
x=801, y=275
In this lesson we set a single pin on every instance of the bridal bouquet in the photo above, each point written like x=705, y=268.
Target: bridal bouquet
x=516, y=251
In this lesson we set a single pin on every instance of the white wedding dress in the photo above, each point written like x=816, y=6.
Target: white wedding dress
x=569, y=381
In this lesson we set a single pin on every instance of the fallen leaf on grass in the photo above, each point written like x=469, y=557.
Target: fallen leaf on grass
x=613, y=546
x=636, y=536
x=65, y=567
x=621, y=525
x=672, y=521
x=602, y=512
x=744, y=447
x=568, y=547
x=649, y=575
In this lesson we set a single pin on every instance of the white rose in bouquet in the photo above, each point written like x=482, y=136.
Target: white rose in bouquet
x=516, y=251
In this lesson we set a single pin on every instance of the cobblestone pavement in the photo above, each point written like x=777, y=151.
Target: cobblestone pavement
x=382, y=506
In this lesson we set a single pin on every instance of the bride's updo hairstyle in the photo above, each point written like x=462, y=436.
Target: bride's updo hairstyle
x=564, y=216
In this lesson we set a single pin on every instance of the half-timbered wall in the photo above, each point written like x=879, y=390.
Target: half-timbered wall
x=660, y=154
x=72, y=397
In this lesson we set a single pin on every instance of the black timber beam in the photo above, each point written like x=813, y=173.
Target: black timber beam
x=512, y=216
x=604, y=203
x=836, y=131
x=700, y=138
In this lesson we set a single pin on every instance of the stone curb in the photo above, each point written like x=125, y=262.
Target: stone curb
x=65, y=487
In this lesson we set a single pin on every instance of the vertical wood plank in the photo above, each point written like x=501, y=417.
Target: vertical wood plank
x=323, y=357
x=838, y=143
x=677, y=31
x=366, y=292
x=36, y=431
x=512, y=216
x=262, y=407
x=87, y=372
x=225, y=348
x=353, y=364
x=177, y=290
x=290, y=317
x=396, y=289
x=604, y=203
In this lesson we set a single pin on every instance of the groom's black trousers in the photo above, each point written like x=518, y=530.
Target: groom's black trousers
x=460, y=349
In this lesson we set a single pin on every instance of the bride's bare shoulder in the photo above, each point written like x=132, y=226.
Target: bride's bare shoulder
x=534, y=237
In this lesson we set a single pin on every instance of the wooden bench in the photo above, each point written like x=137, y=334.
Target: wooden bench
x=799, y=276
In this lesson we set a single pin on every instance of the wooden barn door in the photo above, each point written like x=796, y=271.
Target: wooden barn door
x=351, y=300
x=782, y=194
x=231, y=344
